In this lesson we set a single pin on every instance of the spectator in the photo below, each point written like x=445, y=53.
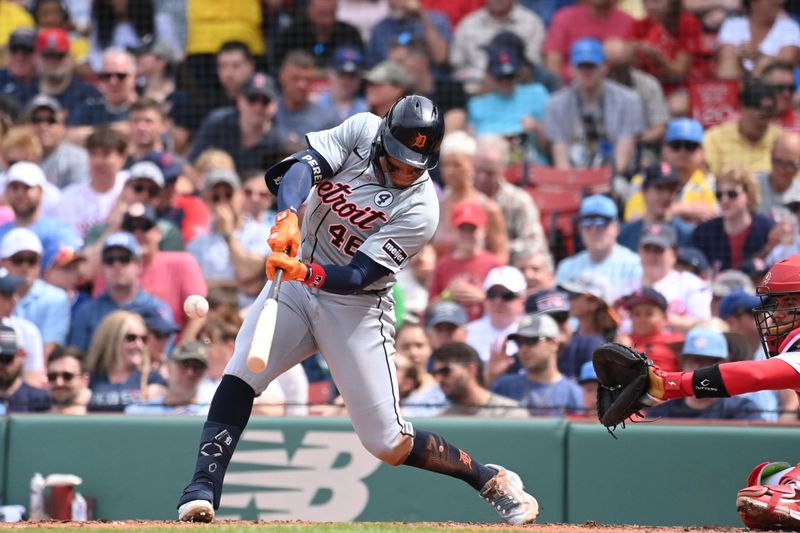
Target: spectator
x=20, y=145
x=148, y=125
x=779, y=184
x=590, y=303
x=415, y=281
x=170, y=276
x=727, y=282
x=786, y=218
x=61, y=268
x=748, y=141
x=445, y=321
x=467, y=56
x=659, y=191
x=14, y=17
x=702, y=348
x=598, y=228
x=407, y=20
x=57, y=14
x=16, y=396
x=538, y=268
x=155, y=65
x=650, y=333
x=458, y=369
x=688, y=297
x=67, y=382
x=43, y=304
x=619, y=62
x=740, y=232
x=187, y=368
x=602, y=128
x=736, y=309
x=597, y=20
x=386, y=82
x=505, y=306
x=427, y=399
x=160, y=339
x=779, y=76
x=28, y=334
x=317, y=32
x=459, y=275
x=669, y=44
x=448, y=93
x=234, y=65
x=124, y=25
x=18, y=78
x=297, y=114
x=55, y=66
x=247, y=131
x=540, y=386
x=118, y=90
x=457, y=169
x=683, y=152
x=87, y=203
x=690, y=259
x=510, y=108
x=64, y=163
x=748, y=43
x=232, y=255
x=121, y=267
x=589, y=383
x=118, y=363
x=523, y=222
x=345, y=77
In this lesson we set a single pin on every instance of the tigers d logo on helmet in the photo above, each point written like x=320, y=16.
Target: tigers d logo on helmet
x=420, y=140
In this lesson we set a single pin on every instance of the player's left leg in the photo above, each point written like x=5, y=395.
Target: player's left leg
x=772, y=498
x=362, y=365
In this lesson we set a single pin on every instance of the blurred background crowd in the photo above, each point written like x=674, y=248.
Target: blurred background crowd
x=612, y=170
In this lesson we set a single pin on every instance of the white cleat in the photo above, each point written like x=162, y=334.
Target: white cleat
x=196, y=511
x=505, y=493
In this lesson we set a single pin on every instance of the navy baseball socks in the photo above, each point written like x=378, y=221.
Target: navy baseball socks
x=501, y=488
x=227, y=418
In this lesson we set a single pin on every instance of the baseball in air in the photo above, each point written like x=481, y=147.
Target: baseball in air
x=195, y=306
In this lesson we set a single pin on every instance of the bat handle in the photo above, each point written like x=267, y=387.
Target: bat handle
x=275, y=288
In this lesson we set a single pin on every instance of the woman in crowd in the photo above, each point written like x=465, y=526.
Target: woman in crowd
x=427, y=399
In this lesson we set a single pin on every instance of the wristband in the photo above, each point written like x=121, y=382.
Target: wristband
x=316, y=276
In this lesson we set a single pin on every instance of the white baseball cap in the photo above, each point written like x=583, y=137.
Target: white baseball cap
x=20, y=240
x=506, y=276
x=26, y=172
x=146, y=170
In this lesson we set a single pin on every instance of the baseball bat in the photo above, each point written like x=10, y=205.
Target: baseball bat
x=260, y=347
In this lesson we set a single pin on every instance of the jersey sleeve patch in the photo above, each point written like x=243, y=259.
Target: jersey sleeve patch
x=395, y=251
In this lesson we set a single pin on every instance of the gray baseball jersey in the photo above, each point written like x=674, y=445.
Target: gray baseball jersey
x=349, y=212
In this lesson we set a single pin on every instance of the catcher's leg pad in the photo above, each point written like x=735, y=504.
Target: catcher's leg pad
x=771, y=506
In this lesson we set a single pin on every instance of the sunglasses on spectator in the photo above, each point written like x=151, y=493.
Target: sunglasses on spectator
x=152, y=191
x=503, y=294
x=7, y=359
x=443, y=371
x=689, y=146
x=20, y=50
x=652, y=249
x=109, y=260
x=731, y=195
x=119, y=76
x=137, y=224
x=193, y=364
x=256, y=194
x=44, y=119
x=133, y=337
x=529, y=341
x=776, y=162
x=54, y=55
x=783, y=87
x=66, y=377
x=594, y=222
x=258, y=99
x=794, y=207
x=22, y=259
x=160, y=335
x=221, y=197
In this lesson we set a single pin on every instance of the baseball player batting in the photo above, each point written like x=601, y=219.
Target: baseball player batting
x=371, y=207
x=771, y=499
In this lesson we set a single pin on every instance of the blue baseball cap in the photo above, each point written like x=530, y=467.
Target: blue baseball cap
x=736, y=301
x=8, y=283
x=504, y=62
x=124, y=240
x=587, y=373
x=684, y=129
x=553, y=302
x=158, y=323
x=693, y=258
x=446, y=312
x=587, y=51
x=705, y=342
x=347, y=59
x=599, y=205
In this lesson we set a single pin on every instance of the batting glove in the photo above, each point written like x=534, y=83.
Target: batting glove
x=285, y=234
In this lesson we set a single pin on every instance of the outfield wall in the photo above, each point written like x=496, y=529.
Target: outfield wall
x=315, y=468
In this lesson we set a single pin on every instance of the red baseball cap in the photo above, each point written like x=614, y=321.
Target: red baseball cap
x=468, y=213
x=52, y=40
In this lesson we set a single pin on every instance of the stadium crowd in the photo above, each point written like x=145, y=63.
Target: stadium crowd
x=612, y=170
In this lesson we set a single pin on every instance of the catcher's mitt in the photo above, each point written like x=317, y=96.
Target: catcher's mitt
x=624, y=380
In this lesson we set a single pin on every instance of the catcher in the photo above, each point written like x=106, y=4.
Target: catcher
x=630, y=382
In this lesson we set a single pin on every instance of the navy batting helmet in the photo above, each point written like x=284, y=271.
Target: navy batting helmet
x=412, y=131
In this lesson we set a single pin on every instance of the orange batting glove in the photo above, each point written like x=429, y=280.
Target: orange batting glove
x=285, y=234
x=293, y=269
